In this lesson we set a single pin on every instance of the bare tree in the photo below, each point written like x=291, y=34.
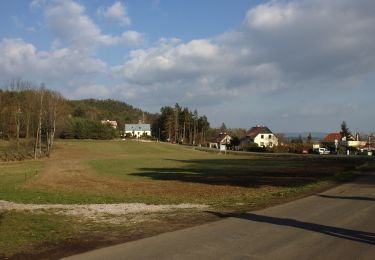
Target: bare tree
x=53, y=103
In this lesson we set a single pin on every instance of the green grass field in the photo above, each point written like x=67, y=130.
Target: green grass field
x=81, y=172
x=128, y=171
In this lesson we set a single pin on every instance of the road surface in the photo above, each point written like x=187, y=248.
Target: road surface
x=337, y=224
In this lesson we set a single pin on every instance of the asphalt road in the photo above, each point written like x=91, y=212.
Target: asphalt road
x=337, y=224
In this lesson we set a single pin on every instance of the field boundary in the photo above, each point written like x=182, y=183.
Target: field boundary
x=267, y=154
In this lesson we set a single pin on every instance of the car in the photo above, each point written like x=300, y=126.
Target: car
x=322, y=151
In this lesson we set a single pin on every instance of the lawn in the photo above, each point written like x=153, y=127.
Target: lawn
x=81, y=172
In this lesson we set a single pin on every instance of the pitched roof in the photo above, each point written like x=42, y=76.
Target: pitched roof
x=254, y=131
x=137, y=127
x=223, y=139
x=331, y=137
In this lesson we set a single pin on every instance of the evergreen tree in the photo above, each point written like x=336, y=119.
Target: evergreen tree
x=345, y=131
x=223, y=128
x=309, y=139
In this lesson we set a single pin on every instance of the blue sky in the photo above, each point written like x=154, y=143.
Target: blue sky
x=303, y=65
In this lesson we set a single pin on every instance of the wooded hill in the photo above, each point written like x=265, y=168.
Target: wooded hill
x=109, y=109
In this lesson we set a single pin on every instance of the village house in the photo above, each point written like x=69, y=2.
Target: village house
x=333, y=140
x=261, y=135
x=222, y=140
x=138, y=130
x=113, y=124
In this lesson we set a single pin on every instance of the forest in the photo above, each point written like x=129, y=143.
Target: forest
x=181, y=125
x=31, y=116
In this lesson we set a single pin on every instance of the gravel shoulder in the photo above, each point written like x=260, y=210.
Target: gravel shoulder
x=99, y=212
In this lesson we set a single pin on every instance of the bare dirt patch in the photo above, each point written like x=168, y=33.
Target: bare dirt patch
x=112, y=213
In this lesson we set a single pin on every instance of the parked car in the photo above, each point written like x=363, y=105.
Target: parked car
x=322, y=151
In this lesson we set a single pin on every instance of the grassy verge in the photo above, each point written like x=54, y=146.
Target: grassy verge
x=22, y=232
x=81, y=172
x=45, y=235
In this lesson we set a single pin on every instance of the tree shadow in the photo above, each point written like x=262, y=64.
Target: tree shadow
x=346, y=197
x=349, y=234
x=244, y=172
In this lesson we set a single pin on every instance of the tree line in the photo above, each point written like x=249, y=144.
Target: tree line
x=32, y=116
x=30, y=112
x=180, y=125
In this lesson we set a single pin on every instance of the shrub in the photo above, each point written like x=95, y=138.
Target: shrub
x=80, y=128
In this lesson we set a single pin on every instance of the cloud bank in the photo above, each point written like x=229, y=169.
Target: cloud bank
x=280, y=47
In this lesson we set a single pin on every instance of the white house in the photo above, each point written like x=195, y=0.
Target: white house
x=138, y=130
x=222, y=139
x=261, y=135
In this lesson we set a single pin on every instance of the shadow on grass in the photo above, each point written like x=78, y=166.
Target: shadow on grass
x=349, y=234
x=246, y=173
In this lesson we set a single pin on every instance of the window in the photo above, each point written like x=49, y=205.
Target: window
x=261, y=144
x=270, y=144
x=261, y=136
x=269, y=136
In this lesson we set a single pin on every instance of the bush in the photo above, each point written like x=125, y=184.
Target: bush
x=280, y=149
x=253, y=147
x=79, y=128
x=299, y=147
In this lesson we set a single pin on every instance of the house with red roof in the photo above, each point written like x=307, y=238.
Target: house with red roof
x=332, y=137
x=335, y=139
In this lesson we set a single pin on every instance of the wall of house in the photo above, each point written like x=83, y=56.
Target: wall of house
x=266, y=140
x=354, y=143
x=138, y=134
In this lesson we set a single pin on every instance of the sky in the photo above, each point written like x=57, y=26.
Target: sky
x=302, y=65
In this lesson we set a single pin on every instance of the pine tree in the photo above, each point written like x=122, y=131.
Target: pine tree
x=345, y=131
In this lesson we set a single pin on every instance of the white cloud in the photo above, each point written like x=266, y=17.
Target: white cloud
x=116, y=12
x=67, y=21
x=72, y=63
x=19, y=59
x=271, y=15
x=132, y=38
x=281, y=48
x=69, y=24
x=281, y=45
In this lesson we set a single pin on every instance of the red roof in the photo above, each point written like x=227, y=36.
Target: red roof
x=332, y=137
